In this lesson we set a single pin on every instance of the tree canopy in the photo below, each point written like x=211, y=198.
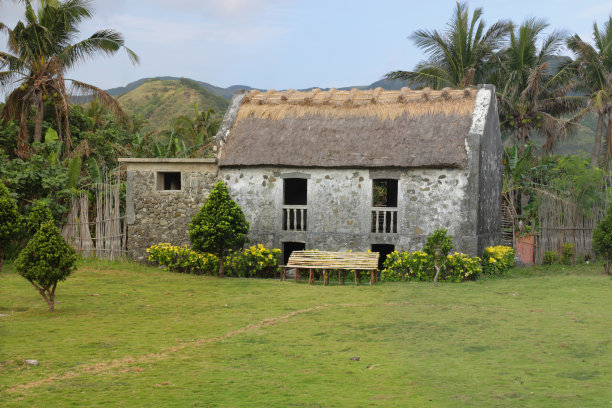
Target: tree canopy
x=41, y=50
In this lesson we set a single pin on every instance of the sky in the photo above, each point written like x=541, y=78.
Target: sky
x=287, y=44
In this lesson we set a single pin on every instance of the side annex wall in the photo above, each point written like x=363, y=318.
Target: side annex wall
x=155, y=214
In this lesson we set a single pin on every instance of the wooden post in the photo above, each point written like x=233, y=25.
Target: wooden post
x=283, y=271
x=310, y=278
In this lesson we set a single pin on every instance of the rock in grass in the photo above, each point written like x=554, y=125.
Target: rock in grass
x=32, y=362
x=356, y=358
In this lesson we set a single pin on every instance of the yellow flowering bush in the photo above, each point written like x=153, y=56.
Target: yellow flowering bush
x=418, y=266
x=461, y=267
x=407, y=266
x=497, y=260
x=256, y=261
x=183, y=259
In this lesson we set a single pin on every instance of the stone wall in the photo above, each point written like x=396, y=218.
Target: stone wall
x=155, y=215
x=340, y=206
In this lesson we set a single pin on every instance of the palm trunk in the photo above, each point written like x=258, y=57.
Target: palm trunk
x=597, y=143
x=609, y=135
x=39, y=118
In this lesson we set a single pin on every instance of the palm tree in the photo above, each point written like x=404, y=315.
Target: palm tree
x=198, y=130
x=41, y=51
x=533, y=85
x=594, y=65
x=460, y=56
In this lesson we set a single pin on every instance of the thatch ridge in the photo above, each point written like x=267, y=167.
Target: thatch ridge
x=385, y=105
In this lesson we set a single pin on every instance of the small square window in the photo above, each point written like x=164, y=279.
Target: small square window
x=169, y=180
x=384, y=193
x=295, y=191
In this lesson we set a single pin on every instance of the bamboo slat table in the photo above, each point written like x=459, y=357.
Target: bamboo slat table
x=323, y=260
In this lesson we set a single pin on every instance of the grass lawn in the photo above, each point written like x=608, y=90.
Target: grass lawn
x=125, y=335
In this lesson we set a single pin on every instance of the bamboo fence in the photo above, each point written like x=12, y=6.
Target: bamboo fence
x=562, y=222
x=105, y=237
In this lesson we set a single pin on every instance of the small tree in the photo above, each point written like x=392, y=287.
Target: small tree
x=219, y=225
x=46, y=260
x=38, y=215
x=9, y=220
x=437, y=247
x=602, y=239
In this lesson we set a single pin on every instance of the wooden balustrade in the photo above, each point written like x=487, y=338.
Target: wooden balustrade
x=384, y=220
x=295, y=218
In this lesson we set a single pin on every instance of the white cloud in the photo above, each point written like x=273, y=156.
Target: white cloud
x=598, y=12
x=161, y=32
x=222, y=8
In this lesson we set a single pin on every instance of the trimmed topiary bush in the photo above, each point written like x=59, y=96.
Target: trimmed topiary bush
x=218, y=226
x=9, y=220
x=438, y=246
x=39, y=214
x=183, y=259
x=602, y=239
x=46, y=260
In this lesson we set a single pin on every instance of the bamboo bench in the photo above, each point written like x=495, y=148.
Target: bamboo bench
x=323, y=260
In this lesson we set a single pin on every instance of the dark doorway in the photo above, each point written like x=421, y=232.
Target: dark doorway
x=384, y=250
x=384, y=193
x=289, y=247
x=295, y=191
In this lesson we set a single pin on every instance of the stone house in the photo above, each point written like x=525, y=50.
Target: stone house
x=337, y=170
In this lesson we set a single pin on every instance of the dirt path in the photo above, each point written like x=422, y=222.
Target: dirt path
x=147, y=358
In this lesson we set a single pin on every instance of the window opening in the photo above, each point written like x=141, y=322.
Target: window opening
x=295, y=197
x=384, y=206
x=296, y=191
x=384, y=193
x=169, y=180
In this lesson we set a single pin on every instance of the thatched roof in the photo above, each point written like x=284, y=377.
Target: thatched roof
x=372, y=128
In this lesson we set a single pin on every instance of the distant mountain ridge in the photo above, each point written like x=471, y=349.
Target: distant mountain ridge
x=227, y=93
x=215, y=90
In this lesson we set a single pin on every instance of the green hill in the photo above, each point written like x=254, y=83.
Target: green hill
x=159, y=101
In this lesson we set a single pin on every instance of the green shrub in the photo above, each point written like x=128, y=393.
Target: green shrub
x=9, y=220
x=567, y=256
x=418, y=266
x=183, y=259
x=602, y=239
x=497, y=260
x=550, y=258
x=46, y=260
x=256, y=261
x=218, y=226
